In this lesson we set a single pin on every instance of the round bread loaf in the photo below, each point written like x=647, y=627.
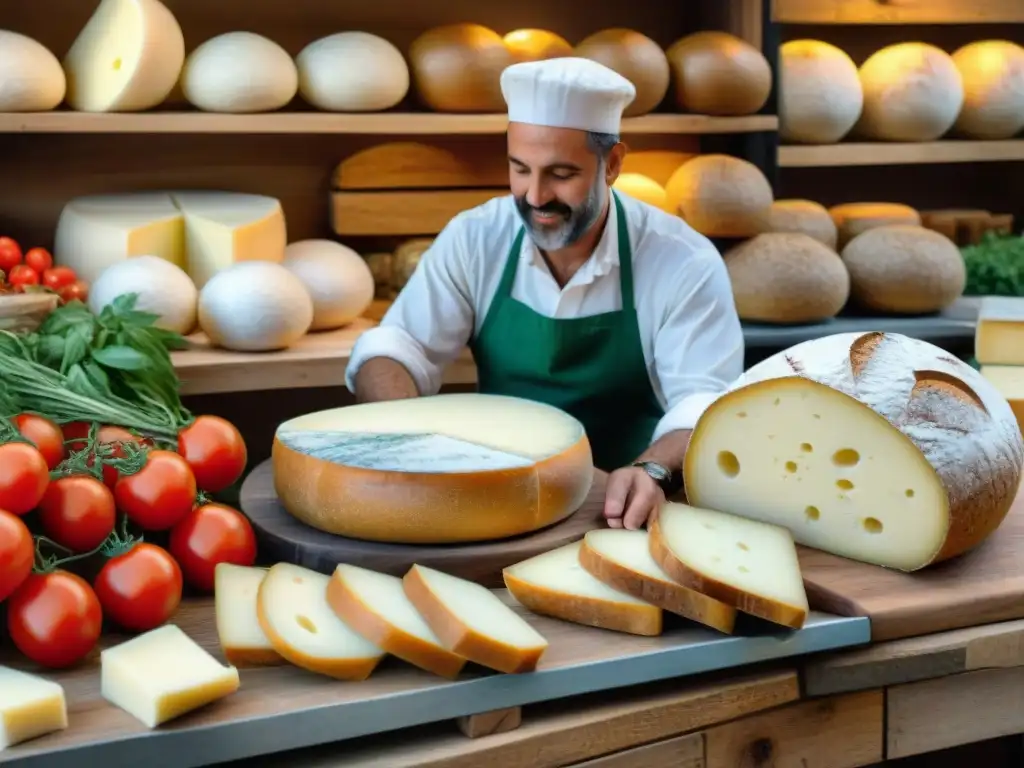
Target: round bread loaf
x=643, y=188
x=721, y=196
x=715, y=73
x=993, y=78
x=853, y=218
x=806, y=217
x=637, y=58
x=820, y=96
x=457, y=68
x=536, y=45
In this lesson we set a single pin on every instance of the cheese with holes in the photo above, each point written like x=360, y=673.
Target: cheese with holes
x=30, y=707
x=473, y=622
x=1009, y=382
x=999, y=335
x=163, y=674
x=872, y=446
x=439, y=469
x=238, y=627
x=555, y=584
x=622, y=559
x=748, y=564
x=301, y=625
x=375, y=605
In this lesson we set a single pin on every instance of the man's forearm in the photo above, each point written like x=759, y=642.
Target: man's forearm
x=381, y=378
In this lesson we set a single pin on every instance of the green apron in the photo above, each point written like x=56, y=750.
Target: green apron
x=591, y=367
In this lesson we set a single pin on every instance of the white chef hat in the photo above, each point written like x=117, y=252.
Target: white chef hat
x=566, y=92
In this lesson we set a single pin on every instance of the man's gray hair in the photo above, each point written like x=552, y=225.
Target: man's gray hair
x=601, y=143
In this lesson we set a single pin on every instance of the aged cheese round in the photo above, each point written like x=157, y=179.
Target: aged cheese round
x=457, y=68
x=721, y=196
x=637, y=58
x=643, y=188
x=31, y=77
x=872, y=446
x=437, y=469
x=820, y=95
x=715, y=73
x=853, y=218
x=337, y=279
x=993, y=77
x=806, y=217
x=162, y=288
x=405, y=260
x=352, y=72
x=536, y=45
x=786, y=277
x=912, y=92
x=904, y=269
x=239, y=72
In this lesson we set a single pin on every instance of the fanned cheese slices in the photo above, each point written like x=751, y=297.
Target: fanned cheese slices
x=238, y=627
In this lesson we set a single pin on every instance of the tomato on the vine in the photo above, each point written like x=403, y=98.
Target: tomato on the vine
x=78, y=512
x=215, y=450
x=43, y=434
x=23, y=477
x=58, y=277
x=76, y=434
x=158, y=495
x=17, y=553
x=39, y=259
x=22, y=275
x=140, y=589
x=79, y=290
x=54, y=618
x=10, y=254
x=211, y=534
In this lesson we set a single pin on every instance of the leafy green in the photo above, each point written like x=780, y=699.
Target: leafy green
x=995, y=266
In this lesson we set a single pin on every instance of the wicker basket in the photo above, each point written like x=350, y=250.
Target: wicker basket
x=24, y=312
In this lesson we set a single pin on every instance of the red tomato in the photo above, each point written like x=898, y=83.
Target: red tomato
x=10, y=254
x=39, y=259
x=140, y=589
x=77, y=290
x=76, y=434
x=23, y=477
x=17, y=553
x=44, y=434
x=22, y=275
x=211, y=534
x=160, y=494
x=78, y=512
x=215, y=450
x=54, y=618
x=58, y=277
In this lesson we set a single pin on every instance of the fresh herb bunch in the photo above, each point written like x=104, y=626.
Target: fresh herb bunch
x=995, y=266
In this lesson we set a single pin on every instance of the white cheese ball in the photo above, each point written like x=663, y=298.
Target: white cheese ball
x=993, y=75
x=31, y=77
x=255, y=306
x=163, y=288
x=820, y=95
x=337, y=278
x=239, y=72
x=352, y=72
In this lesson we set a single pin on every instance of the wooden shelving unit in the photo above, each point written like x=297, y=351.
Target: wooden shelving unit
x=878, y=153
x=902, y=12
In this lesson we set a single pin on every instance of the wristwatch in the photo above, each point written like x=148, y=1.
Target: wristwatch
x=663, y=476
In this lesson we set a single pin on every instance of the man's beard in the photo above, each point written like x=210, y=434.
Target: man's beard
x=575, y=221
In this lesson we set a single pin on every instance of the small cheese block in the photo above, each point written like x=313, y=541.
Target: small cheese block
x=375, y=605
x=745, y=563
x=555, y=584
x=163, y=674
x=472, y=621
x=622, y=559
x=238, y=627
x=30, y=707
x=301, y=625
x=999, y=335
x=1009, y=382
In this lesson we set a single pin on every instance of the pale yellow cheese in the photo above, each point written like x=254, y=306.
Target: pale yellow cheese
x=238, y=627
x=30, y=707
x=163, y=674
x=999, y=335
x=1009, y=382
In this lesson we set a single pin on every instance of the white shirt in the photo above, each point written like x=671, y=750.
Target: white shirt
x=690, y=332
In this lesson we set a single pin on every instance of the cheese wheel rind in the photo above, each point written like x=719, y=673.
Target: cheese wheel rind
x=805, y=217
x=993, y=78
x=851, y=219
x=242, y=641
x=33, y=79
x=820, y=95
x=239, y=72
x=721, y=196
x=716, y=73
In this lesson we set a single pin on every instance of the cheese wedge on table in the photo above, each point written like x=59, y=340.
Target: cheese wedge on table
x=1009, y=382
x=473, y=622
x=30, y=706
x=622, y=559
x=999, y=334
x=555, y=584
x=747, y=564
x=375, y=605
x=301, y=625
x=163, y=674
x=241, y=638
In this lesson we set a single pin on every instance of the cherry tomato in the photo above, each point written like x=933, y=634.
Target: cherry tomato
x=17, y=553
x=54, y=618
x=10, y=254
x=39, y=259
x=44, y=434
x=78, y=512
x=22, y=275
x=215, y=450
x=211, y=534
x=76, y=434
x=58, y=277
x=77, y=290
x=23, y=477
x=141, y=588
x=160, y=494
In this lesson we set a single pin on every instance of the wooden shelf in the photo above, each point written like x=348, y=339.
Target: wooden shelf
x=881, y=153
x=385, y=123
x=888, y=12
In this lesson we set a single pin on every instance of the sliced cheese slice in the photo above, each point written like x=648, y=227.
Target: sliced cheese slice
x=30, y=707
x=1009, y=382
x=163, y=674
x=238, y=627
x=295, y=616
x=622, y=559
x=999, y=335
x=472, y=621
x=555, y=584
x=375, y=605
x=745, y=563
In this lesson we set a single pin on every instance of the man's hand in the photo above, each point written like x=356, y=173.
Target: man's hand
x=631, y=499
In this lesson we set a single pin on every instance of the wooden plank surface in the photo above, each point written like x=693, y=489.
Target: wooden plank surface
x=908, y=153
x=679, y=752
x=395, y=213
x=901, y=12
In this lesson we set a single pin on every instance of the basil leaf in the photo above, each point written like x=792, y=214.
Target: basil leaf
x=97, y=376
x=51, y=350
x=121, y=357
x=76, y=346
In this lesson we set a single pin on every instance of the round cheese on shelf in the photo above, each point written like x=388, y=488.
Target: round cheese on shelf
x=239, y=72
x=806, y=217
x=405, y=260
x=637, y=58
x=643, y=188
x=162, y=288
x=715, y=73
x=993, y=77
x=872, y=446
x=352, y=72
x=820, y=96
x=31, y=77
x=536, y=45
x=337, y=278
x=432, y=470
x=853, y=218
x=457, y=68
x=721, y=196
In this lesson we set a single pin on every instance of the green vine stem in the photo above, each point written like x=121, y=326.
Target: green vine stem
x=119, y=542
x=49, y=563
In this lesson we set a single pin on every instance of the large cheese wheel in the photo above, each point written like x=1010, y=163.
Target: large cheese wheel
x=644, y=189
x=853, y=218
x=872, y=446
x=31, y=77
x=338, y=280
x=721, y=196
x=457, y=68
x=239, y=72
x=352, y=72
x=820, y=95
x=806, y=217
x=637, y=58
x=536, y=45
x=904, y=269
x=912, y=92
x=715, y=73
x=439, y=469
x=993, y=77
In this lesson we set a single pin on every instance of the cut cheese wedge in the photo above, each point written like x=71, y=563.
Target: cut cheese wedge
x=30, y=707
x=375, y=605
x=473, y=622
x=1009, y=382
x=163, y=674
x=999, y=335
x=622, y=559
x=241, y=638
x=555, y=584
x=295, y=616
x=747, y=564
